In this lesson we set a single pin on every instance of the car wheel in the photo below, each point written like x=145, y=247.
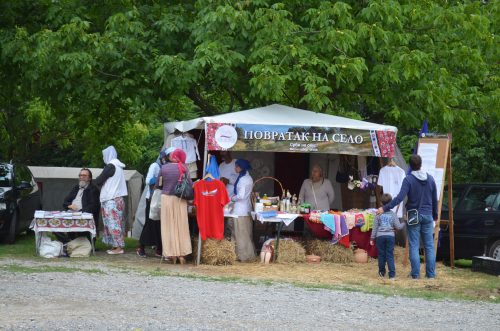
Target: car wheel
x=495, y=250
x=11, y=237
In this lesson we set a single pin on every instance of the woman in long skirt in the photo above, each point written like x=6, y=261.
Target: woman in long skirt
x=174, y=216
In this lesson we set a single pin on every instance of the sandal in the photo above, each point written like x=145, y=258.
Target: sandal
x=115, y=251
x=140, y=252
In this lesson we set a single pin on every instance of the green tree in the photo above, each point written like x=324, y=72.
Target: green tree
x=97, y=73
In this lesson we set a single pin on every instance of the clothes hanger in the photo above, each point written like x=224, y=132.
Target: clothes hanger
x=208, y=174
x=391, y=163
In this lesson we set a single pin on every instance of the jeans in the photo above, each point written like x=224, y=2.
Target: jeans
x=385, y=247
x=425, y=230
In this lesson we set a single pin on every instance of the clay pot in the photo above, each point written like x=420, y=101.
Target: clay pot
x=313, y=258
x=360, y=255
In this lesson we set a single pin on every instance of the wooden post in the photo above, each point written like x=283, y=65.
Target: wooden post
x=451, y=225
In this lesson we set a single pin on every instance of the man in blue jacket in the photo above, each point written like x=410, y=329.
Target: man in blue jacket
x=421, y=190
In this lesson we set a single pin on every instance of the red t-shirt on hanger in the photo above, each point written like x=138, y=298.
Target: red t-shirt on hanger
x=210, y=197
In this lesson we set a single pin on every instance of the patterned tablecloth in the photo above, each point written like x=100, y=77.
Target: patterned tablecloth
x=56, y=221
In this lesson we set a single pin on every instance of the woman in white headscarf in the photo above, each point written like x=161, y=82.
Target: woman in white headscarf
x=114, y=188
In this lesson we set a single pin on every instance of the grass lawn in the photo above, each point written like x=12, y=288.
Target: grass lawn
x=458, y=283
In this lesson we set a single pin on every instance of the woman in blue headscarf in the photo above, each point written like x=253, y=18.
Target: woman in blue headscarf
x=241, y=228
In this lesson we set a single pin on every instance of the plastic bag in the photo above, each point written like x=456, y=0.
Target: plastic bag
x=155, y=206
x=50, y=248
x=79, y=247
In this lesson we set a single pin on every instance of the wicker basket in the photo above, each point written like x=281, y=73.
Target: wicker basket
x=254, y=196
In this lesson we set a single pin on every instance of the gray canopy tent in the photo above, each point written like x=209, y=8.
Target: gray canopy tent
x=57, y=182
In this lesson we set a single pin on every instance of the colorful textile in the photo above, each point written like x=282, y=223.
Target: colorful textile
x=350, y=220
x=359, y=220
x=369, y=218
x=319, y=230
x=328, y=221
x=337, y=227
x=344, y=230
x=373, y=137
x=345, y=241
x=386, y=143
x=112, y=217
x=210, y=197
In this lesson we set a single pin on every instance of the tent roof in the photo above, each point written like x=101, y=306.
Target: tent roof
x=278, y=115
x=67, y=172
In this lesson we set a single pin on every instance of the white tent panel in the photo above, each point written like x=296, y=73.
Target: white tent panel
x=277, y=115
x=57, y=182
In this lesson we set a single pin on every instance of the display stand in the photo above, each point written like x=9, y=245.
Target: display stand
x=436, y=160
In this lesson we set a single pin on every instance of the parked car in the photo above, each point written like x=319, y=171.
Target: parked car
x=19, y=198
x=476, y=214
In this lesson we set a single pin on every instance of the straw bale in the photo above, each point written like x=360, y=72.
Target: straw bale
x=215, y=252
x=399, y=254
x=291, y=251
x=329, y=252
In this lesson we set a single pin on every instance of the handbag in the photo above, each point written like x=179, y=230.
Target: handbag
x=342, y=174
x=155, y=205
x=184, y=189
x=412, y=216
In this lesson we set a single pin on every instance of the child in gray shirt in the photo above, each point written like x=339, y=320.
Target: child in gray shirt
x=383, y=234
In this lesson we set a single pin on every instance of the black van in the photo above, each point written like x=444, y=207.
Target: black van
x=476, y=218
x=19, y=198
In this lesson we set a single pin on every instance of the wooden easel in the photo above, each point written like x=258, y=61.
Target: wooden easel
x=443, y=161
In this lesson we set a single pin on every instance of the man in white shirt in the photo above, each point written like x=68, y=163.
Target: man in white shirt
x=227, y=172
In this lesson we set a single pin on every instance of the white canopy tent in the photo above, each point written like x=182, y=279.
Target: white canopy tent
x=277, y=115
x=280, y=116
x=279, y=124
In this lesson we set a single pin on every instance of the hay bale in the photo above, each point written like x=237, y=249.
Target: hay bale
x=291, y=252
x=329, y=252
x=399, y=254
x=215, y=252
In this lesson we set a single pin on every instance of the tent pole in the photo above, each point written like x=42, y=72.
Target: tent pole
x=205, y=160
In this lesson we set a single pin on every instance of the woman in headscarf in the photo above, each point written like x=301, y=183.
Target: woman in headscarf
x=151, y=232
x=317, y=190
x=114, y=188
x=241, y=228
x=174, y=216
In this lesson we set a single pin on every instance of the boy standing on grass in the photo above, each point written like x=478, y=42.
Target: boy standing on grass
x=383, y=233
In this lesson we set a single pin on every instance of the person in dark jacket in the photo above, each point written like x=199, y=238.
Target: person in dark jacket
x=83, y=197
x=420, y=188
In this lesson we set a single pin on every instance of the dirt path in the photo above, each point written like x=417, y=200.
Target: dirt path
x=100, y=297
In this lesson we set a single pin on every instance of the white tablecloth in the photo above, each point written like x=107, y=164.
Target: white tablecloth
x=287, y=219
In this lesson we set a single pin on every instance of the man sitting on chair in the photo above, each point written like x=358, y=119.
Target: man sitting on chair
x=83, y=197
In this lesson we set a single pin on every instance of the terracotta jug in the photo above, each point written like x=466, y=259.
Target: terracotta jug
x=360, y=255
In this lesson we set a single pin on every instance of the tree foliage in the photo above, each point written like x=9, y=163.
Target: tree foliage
x=78, y=75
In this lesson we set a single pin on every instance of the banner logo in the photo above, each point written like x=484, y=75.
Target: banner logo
x=226, y=136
